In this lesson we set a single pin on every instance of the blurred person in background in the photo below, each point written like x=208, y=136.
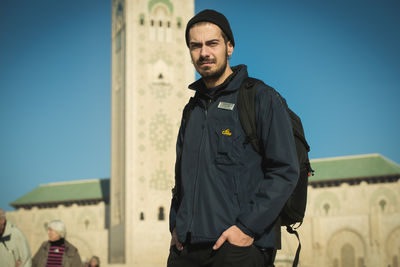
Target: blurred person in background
x=94, y=262
x=14, y=248
x=57, y=251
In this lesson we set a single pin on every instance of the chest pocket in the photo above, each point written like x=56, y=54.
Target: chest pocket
x=227, y=150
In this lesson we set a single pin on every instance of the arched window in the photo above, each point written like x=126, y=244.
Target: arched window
x=382, y=204
x=347, y=254
x=141, y=217
x=361, y=262
x=179, y=23
x=326, y=208
x=141, y=19
x=160, y=14
x=161, y=216
x=395, y=261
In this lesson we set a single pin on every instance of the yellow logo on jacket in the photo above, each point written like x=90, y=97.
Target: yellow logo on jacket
x=227, y=132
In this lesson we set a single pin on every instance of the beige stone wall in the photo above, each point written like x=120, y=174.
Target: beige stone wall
x=364, y=219
x=348, y=222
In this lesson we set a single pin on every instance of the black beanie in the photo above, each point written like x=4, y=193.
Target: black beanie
x=213, y=17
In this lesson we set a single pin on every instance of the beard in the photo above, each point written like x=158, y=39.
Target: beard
x=206, y=72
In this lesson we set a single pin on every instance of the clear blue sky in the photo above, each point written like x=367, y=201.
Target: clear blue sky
x=336, y=62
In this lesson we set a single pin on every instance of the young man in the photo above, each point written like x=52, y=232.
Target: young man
x=227, y=196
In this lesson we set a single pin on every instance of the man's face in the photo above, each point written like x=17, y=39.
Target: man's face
x=208, y=50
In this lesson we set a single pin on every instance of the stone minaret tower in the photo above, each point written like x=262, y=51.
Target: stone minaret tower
x=151, y=69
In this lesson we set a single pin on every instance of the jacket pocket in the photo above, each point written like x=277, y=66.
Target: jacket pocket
x=226, y=137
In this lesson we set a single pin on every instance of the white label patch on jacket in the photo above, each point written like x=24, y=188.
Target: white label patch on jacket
x=226, y=105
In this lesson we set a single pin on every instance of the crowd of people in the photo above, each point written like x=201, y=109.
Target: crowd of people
x=56, y=251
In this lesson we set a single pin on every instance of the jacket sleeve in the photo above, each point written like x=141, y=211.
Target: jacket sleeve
x=71, y=255
x=23, y=247
x=280, y=165
x=41, y=256
x=76, y=260
x=175, y=202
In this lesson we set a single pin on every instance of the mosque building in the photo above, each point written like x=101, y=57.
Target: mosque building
x=352, y=217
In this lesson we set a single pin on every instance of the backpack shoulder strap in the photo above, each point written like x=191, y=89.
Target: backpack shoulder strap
x=247, y=112
x=187, y=111
x=297, y=256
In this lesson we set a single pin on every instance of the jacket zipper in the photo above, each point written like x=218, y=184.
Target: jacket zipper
x=208, y=102
x=236, y=193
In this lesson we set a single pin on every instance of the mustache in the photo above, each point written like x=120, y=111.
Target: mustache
x=203, y=60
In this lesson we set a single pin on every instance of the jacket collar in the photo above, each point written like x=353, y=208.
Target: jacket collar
x=69, y=250
x=7, y=229
x=231, y=84
x=5, y=238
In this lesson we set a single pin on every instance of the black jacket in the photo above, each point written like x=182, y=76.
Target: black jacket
x=222, y=181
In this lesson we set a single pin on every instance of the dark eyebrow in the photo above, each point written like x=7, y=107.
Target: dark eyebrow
x=194, y=43
x=213, y=41
x=207, y=42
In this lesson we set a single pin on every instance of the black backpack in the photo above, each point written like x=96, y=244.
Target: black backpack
x=295, y=207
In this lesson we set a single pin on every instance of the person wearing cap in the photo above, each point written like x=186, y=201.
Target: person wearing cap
x=227, y=197
x=57, y=251
x=14, y=248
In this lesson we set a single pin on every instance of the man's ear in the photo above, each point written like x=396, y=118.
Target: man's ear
x=229, y=48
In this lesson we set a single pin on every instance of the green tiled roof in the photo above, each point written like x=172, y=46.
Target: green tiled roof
x=349, y=167
x=369, y=165
x=95, y=189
